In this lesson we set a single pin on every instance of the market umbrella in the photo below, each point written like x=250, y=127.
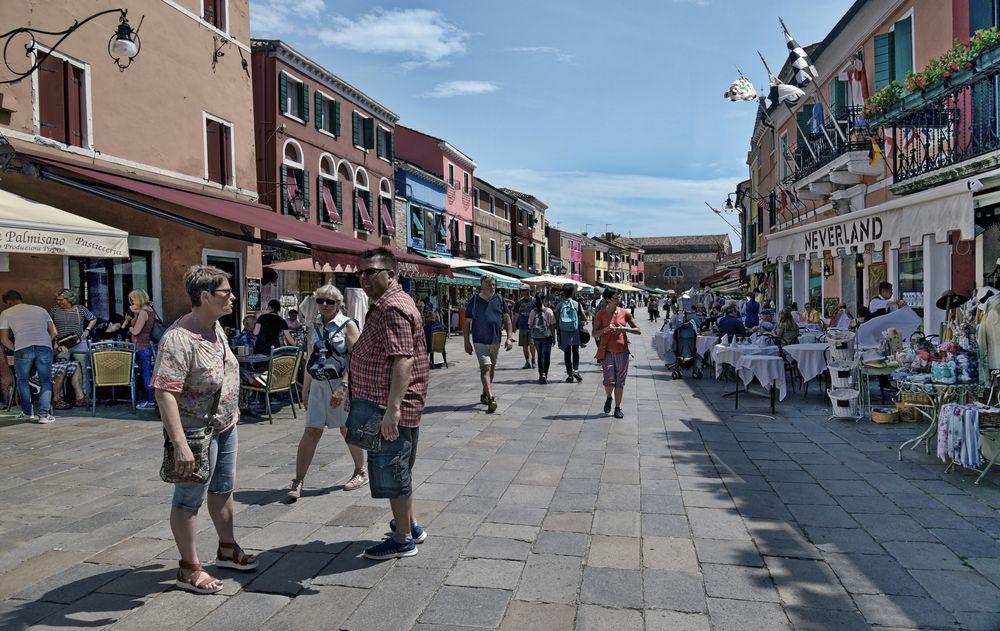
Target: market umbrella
x=549, y=280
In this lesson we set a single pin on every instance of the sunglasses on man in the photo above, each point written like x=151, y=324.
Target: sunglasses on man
x=371, y=271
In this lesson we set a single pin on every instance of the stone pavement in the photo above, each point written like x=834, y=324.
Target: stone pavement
x=546, y=515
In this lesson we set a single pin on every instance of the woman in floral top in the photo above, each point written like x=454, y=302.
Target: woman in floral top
x=197, y=385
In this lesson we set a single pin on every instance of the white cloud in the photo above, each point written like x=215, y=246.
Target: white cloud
x=559, y=54
x=421, y=34
x=449, y=89
x=643, y=204
x=280, y=17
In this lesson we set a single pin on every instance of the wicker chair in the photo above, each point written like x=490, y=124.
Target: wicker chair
x=280, y=377
x=112, y=364
x=439, y=340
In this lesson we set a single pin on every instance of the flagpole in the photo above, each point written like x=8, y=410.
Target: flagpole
x=763, y=104
x=799, y=127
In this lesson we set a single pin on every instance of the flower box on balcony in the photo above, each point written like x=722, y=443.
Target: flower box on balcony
x=988, y=59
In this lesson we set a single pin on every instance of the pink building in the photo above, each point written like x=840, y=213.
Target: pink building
x=440, y=158
x=572, y=244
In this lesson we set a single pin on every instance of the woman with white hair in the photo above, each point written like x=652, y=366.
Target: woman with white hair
x=325, y=386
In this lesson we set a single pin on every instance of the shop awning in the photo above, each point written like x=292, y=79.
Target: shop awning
x=460, y=278
x=310, y=265
x=724, y=276
x=620, y=286
x=651, y=290
x=325, y=245
x=33, y=228
x=503, y=282
x=448, y=260
x=548, y=280
x=938, y=212
x=507, y=270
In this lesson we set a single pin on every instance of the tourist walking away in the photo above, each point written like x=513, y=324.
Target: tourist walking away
x=74, y=326
x=542, y=325
x=325, y=385
x=524, y=307
x=571, y=318
x=653, y=306
x=140, y=327
x=612, y=324
x=388, y=369
x=486, y=314
x=197, y=385
x=271, y=330
x=32, y=330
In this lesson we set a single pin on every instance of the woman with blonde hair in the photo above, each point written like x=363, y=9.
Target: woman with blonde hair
x=140, y=328
x=325, y=386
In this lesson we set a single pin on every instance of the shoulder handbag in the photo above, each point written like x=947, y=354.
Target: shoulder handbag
x=329, y=364
x=364, y=425
x=72, y=340
x=199, y=440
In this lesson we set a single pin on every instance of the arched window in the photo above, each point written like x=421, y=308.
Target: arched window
x=362, y=202
x=331, y=195
x=673, y=271
x=294, y=182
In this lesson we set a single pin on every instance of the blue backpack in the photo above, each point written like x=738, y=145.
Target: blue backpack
x=569, y=319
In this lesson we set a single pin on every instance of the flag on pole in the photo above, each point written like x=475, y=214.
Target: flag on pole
x=805, y=71
x=856, y=83
x=784, y=93
x=875, y=153
x=741, y=90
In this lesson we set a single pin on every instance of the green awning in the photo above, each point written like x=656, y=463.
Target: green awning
x=509, y=271
x=458, y=278
x=503, y=282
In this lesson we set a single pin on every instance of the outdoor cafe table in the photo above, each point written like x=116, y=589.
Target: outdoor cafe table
x=809, y=358
x=704, y=344
x=730, y=355
x=769, y=370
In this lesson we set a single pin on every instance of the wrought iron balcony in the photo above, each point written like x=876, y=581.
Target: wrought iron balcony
x=824, y=145
x=950, y=126
x=472, y=252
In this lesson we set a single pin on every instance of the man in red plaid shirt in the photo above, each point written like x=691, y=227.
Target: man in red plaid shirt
x=389, y=367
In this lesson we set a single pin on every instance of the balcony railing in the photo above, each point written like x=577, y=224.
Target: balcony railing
x=472, y=252
x=827, y=145
x=952, y=127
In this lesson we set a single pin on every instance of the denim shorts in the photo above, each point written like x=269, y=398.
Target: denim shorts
x=221, y=476
x=390, y=470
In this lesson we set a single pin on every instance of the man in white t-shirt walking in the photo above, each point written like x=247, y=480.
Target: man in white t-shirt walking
x=32, y=331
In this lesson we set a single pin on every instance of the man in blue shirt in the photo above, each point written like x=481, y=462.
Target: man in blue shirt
x=485, y=314
x=730, y=324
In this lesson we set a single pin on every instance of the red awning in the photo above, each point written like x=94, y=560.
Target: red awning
x=387, y=220
x=366, y=219
x=724, y=275
x=328, y=246
x=292, y=187
x=333, y=213
x=311, y=265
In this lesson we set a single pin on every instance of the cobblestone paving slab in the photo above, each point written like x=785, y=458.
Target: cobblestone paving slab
x=684, y=515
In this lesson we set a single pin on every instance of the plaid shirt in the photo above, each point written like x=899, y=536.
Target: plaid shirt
x=393, y=328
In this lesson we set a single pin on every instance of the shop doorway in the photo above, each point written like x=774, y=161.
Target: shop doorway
x=231, y=263
x=104, y=284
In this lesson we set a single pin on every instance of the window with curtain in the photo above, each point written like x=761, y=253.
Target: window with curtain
x=911, y=276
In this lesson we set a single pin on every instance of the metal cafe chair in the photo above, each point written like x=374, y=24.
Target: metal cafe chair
x=279, y=377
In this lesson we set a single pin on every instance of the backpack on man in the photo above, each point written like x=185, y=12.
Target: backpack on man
x=569, y=318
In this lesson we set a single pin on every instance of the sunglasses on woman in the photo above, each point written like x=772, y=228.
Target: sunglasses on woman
x=326, y=301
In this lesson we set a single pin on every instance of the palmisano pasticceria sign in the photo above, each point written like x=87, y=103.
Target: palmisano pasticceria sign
x=844, y=235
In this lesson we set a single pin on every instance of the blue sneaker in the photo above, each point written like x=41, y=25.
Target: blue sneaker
x=416, y=533
x=391, y=549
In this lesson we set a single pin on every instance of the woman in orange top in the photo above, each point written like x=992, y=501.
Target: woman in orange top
x=611, y=325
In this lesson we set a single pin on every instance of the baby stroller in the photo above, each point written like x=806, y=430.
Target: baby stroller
x=686, y=351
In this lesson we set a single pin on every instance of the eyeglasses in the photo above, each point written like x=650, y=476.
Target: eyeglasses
x=326, y=301
x=224, y=292
x=371, y=271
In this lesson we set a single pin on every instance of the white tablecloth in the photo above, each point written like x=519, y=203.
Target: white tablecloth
x=722, y=354
x=810, y=358
x=808, y=337
x=705, y=343
x=768, y=369
x=663, y=342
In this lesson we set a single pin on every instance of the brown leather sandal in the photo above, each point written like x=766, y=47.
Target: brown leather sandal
x=237, y=560
x=191, y=585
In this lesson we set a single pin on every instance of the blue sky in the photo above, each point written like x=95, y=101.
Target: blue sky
x=610, y=112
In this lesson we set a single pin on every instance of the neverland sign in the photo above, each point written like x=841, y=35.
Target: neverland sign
x=852, y=233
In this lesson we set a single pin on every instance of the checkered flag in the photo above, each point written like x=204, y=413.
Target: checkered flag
x=805, y=71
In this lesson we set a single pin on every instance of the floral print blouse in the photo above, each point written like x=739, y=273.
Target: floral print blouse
x=195, y=369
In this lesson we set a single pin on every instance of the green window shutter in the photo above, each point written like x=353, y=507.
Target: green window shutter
x=390, y=144
x=369, y=132
x=838, y=97
x=381, y=143
x=319, y=111
x=321, y=208
x=884, y=72
x=283, y=93
x=802, y=118
x=304, y=100
x=284, y=190
x=338, y=197
x=336, y=119
x=305, y=192
x=902, y=54
x=356, y=120
x=980, y=15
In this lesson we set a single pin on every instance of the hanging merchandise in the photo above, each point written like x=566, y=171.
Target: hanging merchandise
x=958, y=437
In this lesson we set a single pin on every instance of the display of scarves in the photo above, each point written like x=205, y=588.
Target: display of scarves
x=958, y=435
